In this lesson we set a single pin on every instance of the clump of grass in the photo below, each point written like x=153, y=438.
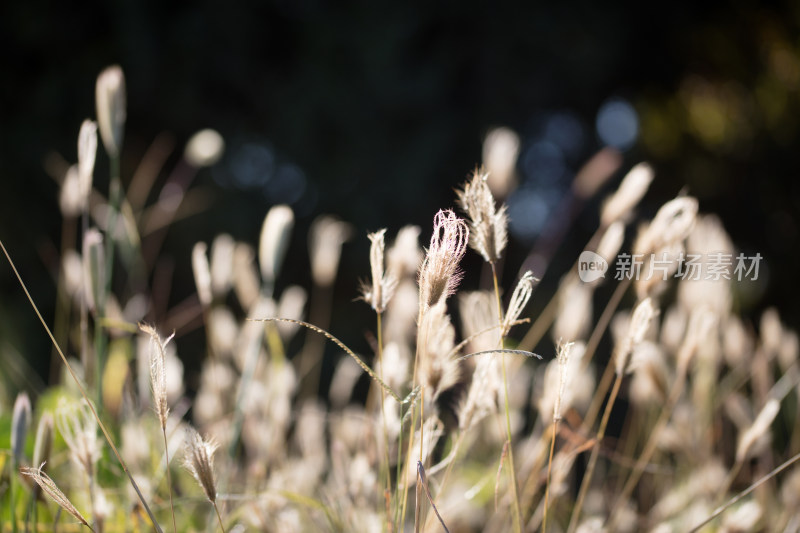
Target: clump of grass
x=488, y=442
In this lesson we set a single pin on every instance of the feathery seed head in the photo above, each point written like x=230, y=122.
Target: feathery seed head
x=439, y=370
x=489, y=226
x=110, y=100
x=404, y=256
x=20, y=418
x=221, y=265
x=158, y=374
x=519, y=299
x=50, y=488
x=672, y=223
x=650, y=383
x=70, y=199
x=633, y=187
x=439, y=274
x=78, y=427
x=275, y=234
x=574, y=310
x=758, y=429
x=44, y=439
x=94, y=271
x=87, y=151
x=500, y=152
x=246, y=283
x=383, y=284
x=639, y=324
x=291, y=305
x=199, y=460
x=326, y=237
x=611, y=241
x=202, y=273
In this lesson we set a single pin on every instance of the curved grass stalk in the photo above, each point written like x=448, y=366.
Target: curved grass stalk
x=341, y=345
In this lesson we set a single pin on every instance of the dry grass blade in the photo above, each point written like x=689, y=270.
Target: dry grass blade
x=50, y=488
x=424, y=482
x=341, y=345
x=83, y=391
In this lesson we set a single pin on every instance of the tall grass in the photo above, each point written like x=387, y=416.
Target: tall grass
x=668, y=412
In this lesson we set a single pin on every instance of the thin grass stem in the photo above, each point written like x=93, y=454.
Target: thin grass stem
x=517, y=519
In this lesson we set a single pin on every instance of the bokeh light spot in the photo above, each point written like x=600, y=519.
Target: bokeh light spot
x=617, y=124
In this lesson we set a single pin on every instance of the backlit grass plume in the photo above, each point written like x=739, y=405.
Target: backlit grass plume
x=488, y=225
x=199, y=460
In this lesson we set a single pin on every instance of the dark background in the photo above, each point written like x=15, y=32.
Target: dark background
x=375, y=112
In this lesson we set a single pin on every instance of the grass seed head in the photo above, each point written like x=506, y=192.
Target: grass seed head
x=488, y=225
x=44, y=439
x=404, y=256
x=222, y=250
x=87, y=151
x=20, y=419
x=78, y=427
x=519, y=299
x=439, y=273
x=199, y=460
x=94, y=270
x=500, y=152
x=158, y=372
x=325, y=240
x=202, y=273
x=383, y=284
x=275, y=234
x=672, y=223
x=111, y=103
x=631, y=190
x=639, y=324
x=70, y=200
x=50, y=488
